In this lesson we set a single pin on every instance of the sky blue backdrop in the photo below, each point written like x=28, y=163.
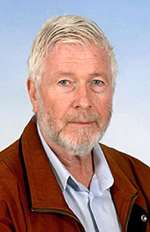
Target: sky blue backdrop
x=127, y=25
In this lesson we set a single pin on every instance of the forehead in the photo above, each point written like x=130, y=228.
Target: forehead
x=75, y=57
x=80, y=49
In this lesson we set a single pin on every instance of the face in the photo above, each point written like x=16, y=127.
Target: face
x=73, y=102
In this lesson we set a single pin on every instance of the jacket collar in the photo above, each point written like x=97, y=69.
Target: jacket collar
x=121, y=172
x=45, y=193
x=124, y=192
x=44, y=190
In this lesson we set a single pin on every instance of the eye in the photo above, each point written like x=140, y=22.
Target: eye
x=97, y=82
x=97, y=85
x=64, y=83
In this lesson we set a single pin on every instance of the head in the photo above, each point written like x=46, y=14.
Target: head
x=72, y=72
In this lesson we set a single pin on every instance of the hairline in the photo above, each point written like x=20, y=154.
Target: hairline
x=50, y=35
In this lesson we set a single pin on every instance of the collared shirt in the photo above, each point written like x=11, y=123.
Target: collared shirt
x=94, y=206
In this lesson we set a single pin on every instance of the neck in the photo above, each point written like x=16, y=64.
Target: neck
x=80, y=167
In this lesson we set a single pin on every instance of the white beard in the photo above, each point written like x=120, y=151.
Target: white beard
x=80, y=144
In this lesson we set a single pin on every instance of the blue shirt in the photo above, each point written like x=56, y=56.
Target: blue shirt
x=94, y=206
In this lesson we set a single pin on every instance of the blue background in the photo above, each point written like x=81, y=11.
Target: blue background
x=127, y=25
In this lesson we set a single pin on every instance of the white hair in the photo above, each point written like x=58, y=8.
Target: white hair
x=69, y=28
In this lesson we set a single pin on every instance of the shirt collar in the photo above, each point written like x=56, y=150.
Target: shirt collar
x=102, y=171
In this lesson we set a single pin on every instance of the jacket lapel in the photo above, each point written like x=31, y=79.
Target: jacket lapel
x=124, y=193
x=44, y=190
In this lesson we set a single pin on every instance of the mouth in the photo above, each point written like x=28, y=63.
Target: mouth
x=81, y=123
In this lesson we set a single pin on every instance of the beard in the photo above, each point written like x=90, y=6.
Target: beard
x=78, y=141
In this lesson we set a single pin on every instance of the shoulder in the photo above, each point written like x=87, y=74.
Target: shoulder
x=124, y=164
x=10, y=155
x=122, y=158
x=10, y=165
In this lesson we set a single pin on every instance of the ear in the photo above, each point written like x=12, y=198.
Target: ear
x=32, y=91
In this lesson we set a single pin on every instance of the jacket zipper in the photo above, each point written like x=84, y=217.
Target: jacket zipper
x=45, y=210
x=130, y=210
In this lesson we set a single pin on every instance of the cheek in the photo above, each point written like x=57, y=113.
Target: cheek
x=55, y=109
x=57, y=102
x=54, y=106
x=104, y=105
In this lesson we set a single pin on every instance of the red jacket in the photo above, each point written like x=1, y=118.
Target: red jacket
x=31, y=199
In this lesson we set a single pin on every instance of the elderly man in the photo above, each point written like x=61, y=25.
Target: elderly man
x=57, y=177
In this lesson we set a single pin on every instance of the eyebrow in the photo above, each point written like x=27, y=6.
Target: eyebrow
x=96, y=74
x=64, y=74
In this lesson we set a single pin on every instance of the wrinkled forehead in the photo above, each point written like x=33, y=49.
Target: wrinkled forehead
x=74, y=51
x=84, y=43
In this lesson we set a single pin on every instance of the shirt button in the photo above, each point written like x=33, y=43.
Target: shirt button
x=144, y=218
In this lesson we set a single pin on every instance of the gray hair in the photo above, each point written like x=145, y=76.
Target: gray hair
x=69, y=28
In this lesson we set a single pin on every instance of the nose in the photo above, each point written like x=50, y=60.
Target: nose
x=82, y=98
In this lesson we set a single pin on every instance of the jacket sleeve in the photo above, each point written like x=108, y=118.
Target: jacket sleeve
x=5, y=220
x=11, y=213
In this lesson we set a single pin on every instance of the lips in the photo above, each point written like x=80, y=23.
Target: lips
x=83, y=123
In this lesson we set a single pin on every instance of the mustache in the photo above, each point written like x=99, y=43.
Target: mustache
x=83, y=117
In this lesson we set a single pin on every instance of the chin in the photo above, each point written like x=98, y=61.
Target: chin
x=78, y=148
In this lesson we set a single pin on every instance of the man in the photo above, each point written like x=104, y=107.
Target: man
x=57, y=177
